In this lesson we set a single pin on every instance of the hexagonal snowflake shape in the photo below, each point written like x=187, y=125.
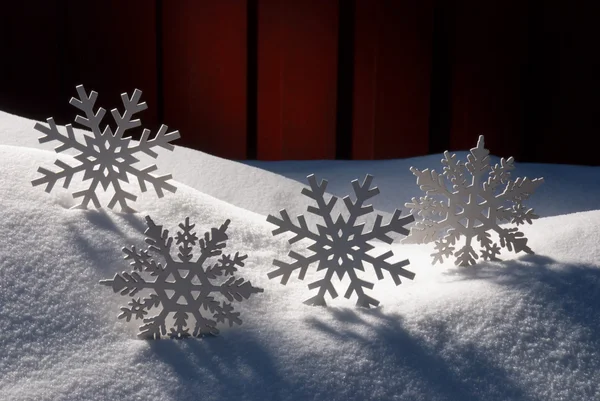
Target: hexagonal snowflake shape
x=182, y=286
x=340, y=247
x=475, y=198
x=105, y=158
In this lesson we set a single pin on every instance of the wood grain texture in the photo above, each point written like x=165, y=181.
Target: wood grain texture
x=297, y=75
x=204, y=68
x=31, y=45
x=110, y=47
x=488, y=55
x=392, y=78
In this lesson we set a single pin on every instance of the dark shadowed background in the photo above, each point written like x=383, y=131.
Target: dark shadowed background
x=320, y=79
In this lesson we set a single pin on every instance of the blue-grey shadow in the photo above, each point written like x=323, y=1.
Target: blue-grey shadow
x=106, y=224
x=479, y=379
x=238, y=367
x=572, y=290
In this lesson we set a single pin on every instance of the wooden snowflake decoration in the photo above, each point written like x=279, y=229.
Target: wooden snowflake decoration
x=469, y=200
x=183, y=286
x=341, y=246
x=106, y=158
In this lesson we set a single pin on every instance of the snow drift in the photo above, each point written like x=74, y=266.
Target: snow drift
x=525, y=328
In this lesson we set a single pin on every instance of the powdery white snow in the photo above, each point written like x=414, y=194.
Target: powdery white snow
x=526, y=328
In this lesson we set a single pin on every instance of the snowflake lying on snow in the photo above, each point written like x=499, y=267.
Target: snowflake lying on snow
x=182, y=287
x=340, y=247
x=106, y=157
x=474, y=207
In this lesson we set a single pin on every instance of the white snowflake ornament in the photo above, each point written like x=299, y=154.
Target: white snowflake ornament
x=182, y=286
x=475, y=198
x=106, y=159
x=340, y=246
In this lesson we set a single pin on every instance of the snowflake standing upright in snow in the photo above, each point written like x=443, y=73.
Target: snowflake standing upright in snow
x=106, y=158
x=475, y=205
x=340, y=247
x=182, y=287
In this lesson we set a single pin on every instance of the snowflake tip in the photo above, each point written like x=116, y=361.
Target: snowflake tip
x=366, y=302
x=317, y=300
x=117, y=283
x=480, y=142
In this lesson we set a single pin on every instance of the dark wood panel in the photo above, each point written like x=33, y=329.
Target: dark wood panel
x=365, y=79
x=562, y=123
x=392, y=78
x=269, y=135
x=204, y=67
x=110, y=47
x=488, y=53
x=524, y=74
x=31, y=46
x=297, y=79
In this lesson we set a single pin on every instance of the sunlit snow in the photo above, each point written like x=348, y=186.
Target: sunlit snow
x=526, y=328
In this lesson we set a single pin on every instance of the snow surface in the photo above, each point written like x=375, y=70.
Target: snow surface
x=526, y=328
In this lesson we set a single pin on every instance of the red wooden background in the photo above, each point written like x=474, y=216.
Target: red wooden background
x=320, y=79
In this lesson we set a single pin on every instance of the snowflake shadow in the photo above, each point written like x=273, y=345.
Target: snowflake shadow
x=241, y=365
x=388, y=336
x=103, y=221
x=573, y=290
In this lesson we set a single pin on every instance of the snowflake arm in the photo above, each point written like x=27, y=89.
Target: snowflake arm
x=326, y=286
x=238, y=289
x=124, y=121
x=226, y=313
x=158, y=239
x=397, y=224
x=514, y=240
x=142, y=261
x=395, y=270
x=317, y=193
x=159, y=183
x=86, y=104
x=423, y=231
x=162, y=139
x=285, y=269
x=286, y=224
x=50, y=178
x=431, y=182
x=443, y=249
x=127, y=283
x=187, y=239
x=179, y=331
x=155, y=326
x=500, y=173
x=205, y=325
x=138, y=309
x=51, y=133
x=454, y=170
x=363, y=193
x=520, y=189
x=212, y=243
x=227, y=266
x=357, y=285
